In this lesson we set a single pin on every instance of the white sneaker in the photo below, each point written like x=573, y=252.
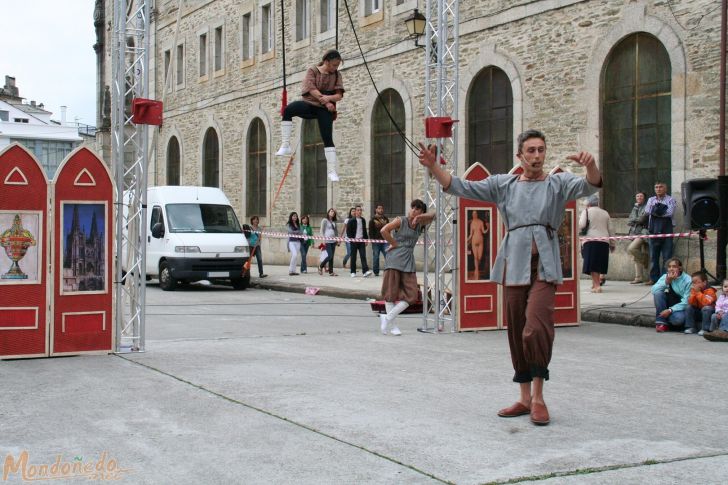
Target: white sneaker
x=368, y=274
x=284, y=150
x=701, y=333
x=383, y=323
x=395, y=331
x=689, y=330
x=333, y=176
x=353, y=275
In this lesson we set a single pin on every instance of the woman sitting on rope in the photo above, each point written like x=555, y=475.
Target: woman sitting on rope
x=322, y=88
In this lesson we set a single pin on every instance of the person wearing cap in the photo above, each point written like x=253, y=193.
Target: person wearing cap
x=528, y=265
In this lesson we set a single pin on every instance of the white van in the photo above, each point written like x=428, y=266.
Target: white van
x=193, y=234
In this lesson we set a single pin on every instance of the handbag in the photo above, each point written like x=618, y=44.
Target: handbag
x=586, y=228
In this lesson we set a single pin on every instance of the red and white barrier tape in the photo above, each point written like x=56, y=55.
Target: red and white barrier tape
x=286, y=235
x=639, y=236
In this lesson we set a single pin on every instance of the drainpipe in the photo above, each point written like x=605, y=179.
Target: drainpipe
x=722, y=178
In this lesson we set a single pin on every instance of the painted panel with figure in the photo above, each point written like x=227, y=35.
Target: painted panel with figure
x=478, y=235
x=20, y=239
x=83, y=247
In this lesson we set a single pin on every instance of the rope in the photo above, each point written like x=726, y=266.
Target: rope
x=283, y=179
x=284, y=94
x=410, y=144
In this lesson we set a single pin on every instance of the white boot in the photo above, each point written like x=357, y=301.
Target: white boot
x=383, y=324
x=392, y=314
x=285, y=149
x=330, y=153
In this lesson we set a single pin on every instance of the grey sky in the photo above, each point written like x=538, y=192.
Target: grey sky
x=48, y=48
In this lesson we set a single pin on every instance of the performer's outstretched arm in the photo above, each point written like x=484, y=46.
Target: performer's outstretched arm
x=428, y=158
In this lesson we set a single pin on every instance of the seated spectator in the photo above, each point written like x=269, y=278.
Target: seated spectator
x=719, y=324
x=700, y=302
x=671, y=294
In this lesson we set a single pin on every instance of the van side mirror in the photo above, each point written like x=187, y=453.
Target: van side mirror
x=158, y=230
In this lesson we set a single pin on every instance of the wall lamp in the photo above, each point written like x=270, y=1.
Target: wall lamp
x=416, y=26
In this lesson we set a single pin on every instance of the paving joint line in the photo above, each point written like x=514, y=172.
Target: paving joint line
x=601, y=469
x=287, y=420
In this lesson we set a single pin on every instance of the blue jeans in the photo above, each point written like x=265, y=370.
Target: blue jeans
x=348, y=253
x=330, y=249
x=377, y=249
x=659, y=246
x=716, y=324
x=259, y=260
x=304, y=252
x=692, y=312
x=675, y=318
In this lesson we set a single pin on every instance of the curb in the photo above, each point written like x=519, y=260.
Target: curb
x=324, y=290
x=601, y=316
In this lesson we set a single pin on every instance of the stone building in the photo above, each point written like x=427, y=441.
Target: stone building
x=633, y=81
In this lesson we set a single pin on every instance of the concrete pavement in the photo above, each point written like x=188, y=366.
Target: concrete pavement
x=619, y=301
x=265, y=387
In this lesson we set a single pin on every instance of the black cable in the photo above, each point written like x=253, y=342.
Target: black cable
x=283, y=44
x=700, y=19
x=410, y=144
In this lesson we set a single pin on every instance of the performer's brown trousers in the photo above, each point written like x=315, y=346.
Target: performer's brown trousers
x=530, y=318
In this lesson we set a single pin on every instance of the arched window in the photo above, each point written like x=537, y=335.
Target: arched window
x=490, y=121
x=388, y=154
x=211, y=159
x=173, y=162
x=257, y=189
x=313, y=171
x=636, y=120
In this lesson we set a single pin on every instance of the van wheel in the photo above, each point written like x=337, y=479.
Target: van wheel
x=166, y=282
x=241, y=283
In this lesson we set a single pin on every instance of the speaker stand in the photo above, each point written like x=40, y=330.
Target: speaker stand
x=702, y=237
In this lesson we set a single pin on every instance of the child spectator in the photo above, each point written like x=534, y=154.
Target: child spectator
x=721, y=308
x=701, y=300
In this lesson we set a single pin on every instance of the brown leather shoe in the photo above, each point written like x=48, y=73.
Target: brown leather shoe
x=539, y=414
x=517, y=409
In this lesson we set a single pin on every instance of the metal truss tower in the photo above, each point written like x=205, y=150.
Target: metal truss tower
x=441, y=99
x=129, y=148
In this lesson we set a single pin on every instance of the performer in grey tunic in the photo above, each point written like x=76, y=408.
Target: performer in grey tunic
x=528, y=264
x=400, y=280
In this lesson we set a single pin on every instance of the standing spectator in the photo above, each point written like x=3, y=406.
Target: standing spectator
x=671, y=294
x=638, y=248
x=661, y=212
x=357, y=228
x=596, y=253
x=721, y=308
x=254, y=242
x=305, y=243
x=294, y=243
x=328, y=229
x=375, y=232
x=701, y=301
x=348, y=245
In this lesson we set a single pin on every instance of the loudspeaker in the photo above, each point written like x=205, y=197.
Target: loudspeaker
x=701, y=203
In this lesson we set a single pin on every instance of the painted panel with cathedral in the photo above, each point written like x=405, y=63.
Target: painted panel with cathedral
x=84, y=247
x=22, y=246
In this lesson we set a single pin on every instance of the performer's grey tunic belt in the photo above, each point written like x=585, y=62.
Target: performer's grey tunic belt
x=532, y=211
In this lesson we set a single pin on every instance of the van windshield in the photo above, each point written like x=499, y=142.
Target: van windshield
x=202, y=218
